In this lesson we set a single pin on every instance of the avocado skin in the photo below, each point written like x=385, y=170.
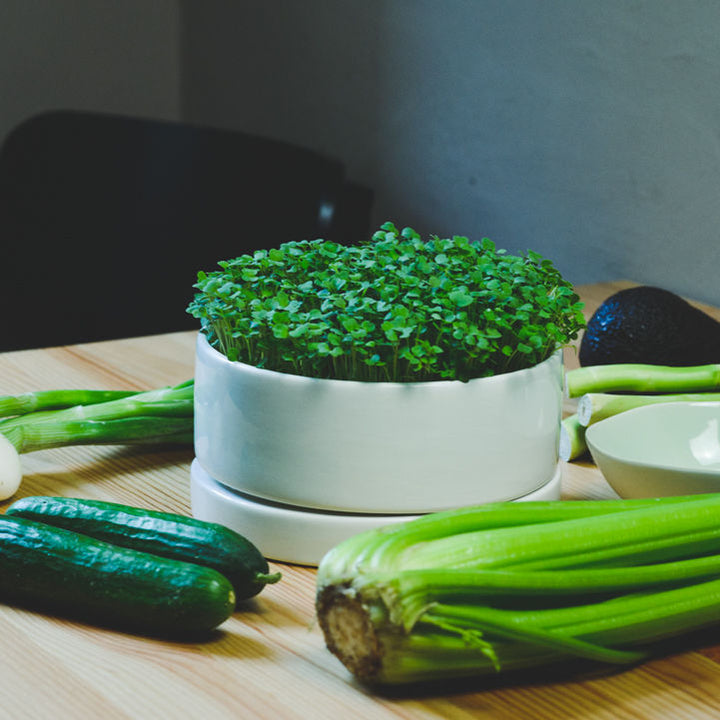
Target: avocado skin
x=652, y=326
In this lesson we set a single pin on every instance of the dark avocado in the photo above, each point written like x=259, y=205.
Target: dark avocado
x=650, y=325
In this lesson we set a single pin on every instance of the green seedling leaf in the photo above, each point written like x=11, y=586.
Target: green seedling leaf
x=395, y=308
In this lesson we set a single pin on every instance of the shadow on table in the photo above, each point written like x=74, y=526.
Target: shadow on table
x=572, y=671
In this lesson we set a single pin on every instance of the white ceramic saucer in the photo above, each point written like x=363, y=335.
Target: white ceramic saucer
x=291, y=534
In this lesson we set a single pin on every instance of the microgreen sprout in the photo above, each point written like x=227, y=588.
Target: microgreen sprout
x=396, y=308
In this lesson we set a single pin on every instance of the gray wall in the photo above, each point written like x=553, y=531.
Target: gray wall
x=587, y=130
x=105, y=55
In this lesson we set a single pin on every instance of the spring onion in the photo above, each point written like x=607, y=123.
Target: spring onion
x=57, y=418
x=606, y=390
x=594, y=407
x=505, y=586
x=572, y=439
x=639, y=378
x=56, y=399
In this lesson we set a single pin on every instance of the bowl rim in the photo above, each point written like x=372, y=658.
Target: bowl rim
x=630, y=415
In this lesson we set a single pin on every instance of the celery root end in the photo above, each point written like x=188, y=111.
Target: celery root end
x=349, y=633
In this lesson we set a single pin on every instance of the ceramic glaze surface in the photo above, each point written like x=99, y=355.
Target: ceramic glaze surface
x=376, y=447
x=288, y=533
x=659, y=450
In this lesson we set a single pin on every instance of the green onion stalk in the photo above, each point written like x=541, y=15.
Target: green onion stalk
x=606, y=390
x=641, y=378
x=57, y=418
x=572, y=439
x=509, y=586
x=594, y=407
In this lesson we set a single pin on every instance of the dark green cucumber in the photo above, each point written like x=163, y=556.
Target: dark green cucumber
x=165, y=534
x=63, y=572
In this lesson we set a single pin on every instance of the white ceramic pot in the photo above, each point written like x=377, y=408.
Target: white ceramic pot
x=359, y=447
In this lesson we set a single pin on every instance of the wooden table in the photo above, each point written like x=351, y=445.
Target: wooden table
x=269, y=660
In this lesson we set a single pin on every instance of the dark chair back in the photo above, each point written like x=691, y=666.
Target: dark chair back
x=106, y=220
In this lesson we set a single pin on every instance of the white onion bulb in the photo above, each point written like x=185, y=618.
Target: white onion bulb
x=10, y=469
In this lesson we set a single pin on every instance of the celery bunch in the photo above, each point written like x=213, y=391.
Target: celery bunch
x=507, y=586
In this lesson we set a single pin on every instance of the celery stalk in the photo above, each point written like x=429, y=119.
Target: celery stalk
x=649, y=533
x=509, y=586
x=382, y=549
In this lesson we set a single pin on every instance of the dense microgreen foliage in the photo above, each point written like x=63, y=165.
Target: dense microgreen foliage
x=395, y=308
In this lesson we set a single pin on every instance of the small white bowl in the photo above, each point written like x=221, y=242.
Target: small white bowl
x=659, y=450
x=376, y=447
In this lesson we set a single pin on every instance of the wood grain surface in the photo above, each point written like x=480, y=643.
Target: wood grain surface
x=269, y=659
